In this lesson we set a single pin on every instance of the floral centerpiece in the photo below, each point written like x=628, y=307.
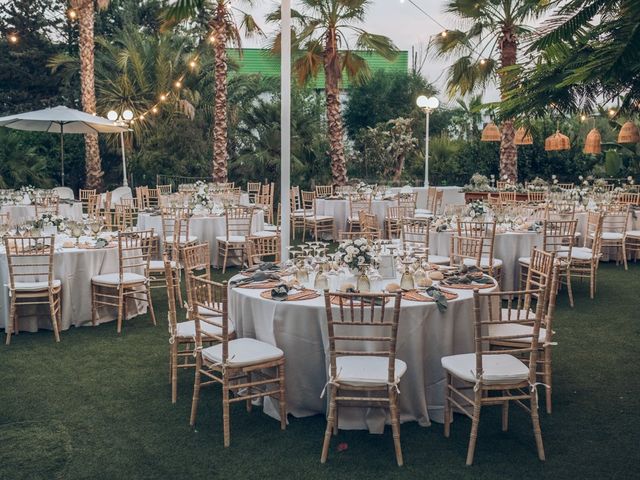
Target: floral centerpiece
x=538, y=185
x=507, y=185
x=29, y=191
x=477, y=209
x=355, y=253
x=201, y=196
x=478, y=183
x=50, y=220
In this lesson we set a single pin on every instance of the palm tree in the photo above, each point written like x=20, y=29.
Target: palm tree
x=468, y=116
x=225, y=29
x=85, y=10
x=487, y=49
x=320, y=41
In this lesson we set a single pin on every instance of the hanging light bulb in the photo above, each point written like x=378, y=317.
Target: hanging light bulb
x=193, y=64
x=72, y=14
x=443, y=34
x=13, y=38
x=178, y=84
x=163, y=97
x=491, y=133
x=155, y=110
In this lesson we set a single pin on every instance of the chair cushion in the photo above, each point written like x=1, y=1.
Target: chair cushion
x=244, y=352
x=612, y=236
x=510, y=329
x=524, y=260
x=423, y=211
x=270, y=228
x=232, y=239
x=439, y=259
x=183, y=239
x=484, y=262
x=265, y=233
x=498, y=369
x=423, y=215
x=319, y=218
x=188, y=329
x=633, y=233
x=366, y=371
x=579, y=253
x=158, y=265
x=35, y=286
x=114, y=278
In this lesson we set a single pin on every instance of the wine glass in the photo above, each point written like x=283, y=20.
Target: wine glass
x=96, y=227
x=76, y=231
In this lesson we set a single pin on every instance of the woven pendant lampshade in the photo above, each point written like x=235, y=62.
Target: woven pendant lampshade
x=629, y=133
x=557, y=142
x=523, y=137
x=593, y=142
x=491, y=133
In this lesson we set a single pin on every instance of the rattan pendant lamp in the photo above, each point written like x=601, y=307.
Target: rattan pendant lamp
x=629, y=133
x=557, y=142
x=523, y=137
x=491, y=133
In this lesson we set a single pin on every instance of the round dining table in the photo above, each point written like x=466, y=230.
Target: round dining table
x=340, y=211
x=425, y=335
x=19, y=214
x=74, y=267
x=205, y=228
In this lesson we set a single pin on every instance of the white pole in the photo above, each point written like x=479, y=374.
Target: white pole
x=426, y=151
x=285, y=127
x=124, y=161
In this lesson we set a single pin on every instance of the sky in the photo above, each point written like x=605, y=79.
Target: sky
x=404, y=24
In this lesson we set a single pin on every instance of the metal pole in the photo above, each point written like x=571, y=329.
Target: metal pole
x=124, y=161
x=62, y=152
x=426, y=150
x=285, y=127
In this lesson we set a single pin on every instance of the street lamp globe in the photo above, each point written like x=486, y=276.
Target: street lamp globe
x=432, y=103
x=112, y=115
x=422, y=101
x=127, y=115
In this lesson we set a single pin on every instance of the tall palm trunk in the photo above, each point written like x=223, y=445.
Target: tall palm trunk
x=93, y=165
x=508, y=150
x=220, y=152
x=334, y=116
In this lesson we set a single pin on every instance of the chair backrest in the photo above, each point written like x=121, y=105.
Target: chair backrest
x=238, y=221
x=628, y=198
x=539, y=276
x=501, y=184
x=134, y=252
x=559, y=235
x=142, y=197
x=489, y=309
x=359, y=202
x=369, y=225
x=84, y=195
x=363, y=324
x=49, y=204
x=210, y=297
x=536, y=197
x=295, y=199
x=462, y=248
x=197, y=263
x=264, y=249
x=253, y=189
x=565, y=186
x=93, y=206
x=323, y=191
x=164, y=189
x=415, y=233
x=30, y=259
x=434, y=200
x=484, y=230
x=507, y=197
x=408, y=201
x=561, y=210
x=616, y=221
x=594, y=233
x=172, y=229
x=5, y=218
x=124, y=216
x=308, y=201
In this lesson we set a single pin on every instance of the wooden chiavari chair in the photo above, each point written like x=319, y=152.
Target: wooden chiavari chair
x=408, y=201
x=544, y=273
x=415, y=234
x=142, y=198
x=253, y=189
x=153, y=197
x=628, y=198
x=297, y=211
x=244, y=367
x=502, y=185
x=106, y=212
x=130, y=282
x=394, y=218
x=362, y=338
x=93, y=206
x=536, y=197
x=357, y=203
x=84, y=195
x=465, y=250
x=565, y=186
x=164, y=189
x=125, y=216
x=369, y=225
x=319, y=224
x=487, y=231
x=238, y=228
x=175, y=225
x=633, y=244
x=264, y=201
x=197, y=262
x=434, y=203
x=32, y=280
x=614, y=233
x=507, y=197
x=49, y=204
x=264, y=248
x=324, y=191
x=497, y=376
x=494, y=200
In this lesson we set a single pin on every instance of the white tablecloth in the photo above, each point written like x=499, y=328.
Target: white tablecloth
x=451, y=196
x=22, y=213
x=340, y=211
x=299, y=328
x=508, y=247
x=205, y=228
x=74, y=268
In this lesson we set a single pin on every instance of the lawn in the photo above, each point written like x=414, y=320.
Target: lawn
x=97, y=406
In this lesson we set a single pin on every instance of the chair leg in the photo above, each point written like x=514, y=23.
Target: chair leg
x=624, y=256
x=173, y=361
x=330, y=419
x=477, y=405
x=225, y=414
x=570, y=288
x=395, y=424
x=11, y=320
x=54, y=321
x=150, y=306
x=447, y=407
x=283, y=397
x=120, y=310
x=548, y=378
x=536, y=425
x=196, y=392
x=224, y=261
x=592, y=283
x=94, y=313
x=176, y=274
x=249, y=405
x=505, y=413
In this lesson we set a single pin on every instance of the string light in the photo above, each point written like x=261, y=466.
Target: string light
x=163, y=97
x=612, y=112
x=13, y=38
x=155, y=110
x=193, y=64
x=443, y=34
x=72, y=14
x=583, y=117
x=178, y=84
x=212, y=39
x=483, y=61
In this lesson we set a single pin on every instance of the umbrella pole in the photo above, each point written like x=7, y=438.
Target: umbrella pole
x=62, y=151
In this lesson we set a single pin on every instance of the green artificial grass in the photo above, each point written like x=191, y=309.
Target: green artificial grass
x=97, y=406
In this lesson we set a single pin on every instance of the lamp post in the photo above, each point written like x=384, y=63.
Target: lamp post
x=122, y=121
x=428, y=105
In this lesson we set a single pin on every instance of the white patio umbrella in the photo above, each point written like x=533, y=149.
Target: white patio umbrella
x=60, y=120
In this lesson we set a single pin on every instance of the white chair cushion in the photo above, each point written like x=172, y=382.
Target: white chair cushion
x=484, y=262
x=510, y=329
x=158, y=265
x=302, y=213
x=612, y=236
x=319, y=218
x=524, y=260
x=35, y=286
x=498, y=369
x=270, y=228
x=366, y=371
x=243, y=352
x=439, y=259
x=633, y=233
x=188, y=329
x=232, y=238
x=114, y=278
x=423, y=211
x=579, y=253
x=265, y=233
x=182, y=239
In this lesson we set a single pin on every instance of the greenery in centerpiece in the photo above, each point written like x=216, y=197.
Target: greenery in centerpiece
x=355, y=253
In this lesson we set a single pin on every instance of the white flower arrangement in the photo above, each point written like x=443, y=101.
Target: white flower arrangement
x=50, y=220
x=478, y=183
x=538, y=185
x=355, y=253
x=477, y=209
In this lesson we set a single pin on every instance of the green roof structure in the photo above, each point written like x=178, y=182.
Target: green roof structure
x=257, y=60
